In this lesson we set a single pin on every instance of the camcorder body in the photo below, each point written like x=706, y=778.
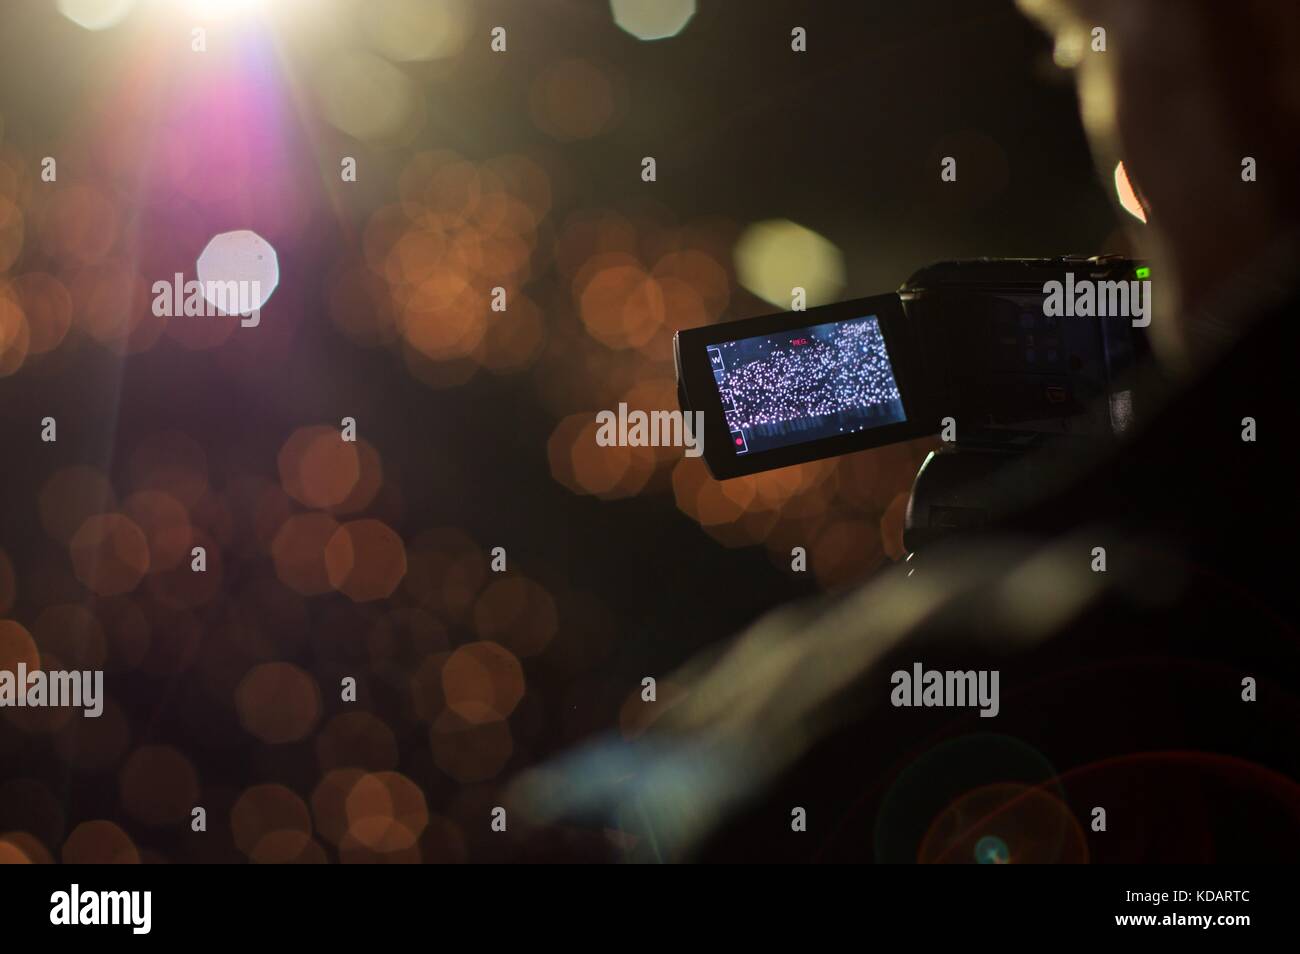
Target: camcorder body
x=996, y=357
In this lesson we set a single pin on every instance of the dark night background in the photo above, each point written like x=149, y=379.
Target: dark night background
x=844, y=139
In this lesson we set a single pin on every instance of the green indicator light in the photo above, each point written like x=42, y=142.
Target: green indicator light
x=1143, y=272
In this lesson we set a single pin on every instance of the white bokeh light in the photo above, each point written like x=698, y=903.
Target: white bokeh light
x=652, y=19
x=242, y=256
x=775, y=256
x=96, y=14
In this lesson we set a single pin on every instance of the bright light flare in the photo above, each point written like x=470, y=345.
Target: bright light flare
x=1128, y=197
x=206, y=10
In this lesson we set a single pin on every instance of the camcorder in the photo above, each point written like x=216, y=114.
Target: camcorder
x=997, y=357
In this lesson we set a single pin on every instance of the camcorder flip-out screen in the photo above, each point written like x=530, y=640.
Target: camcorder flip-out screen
x=983, y=344
x=784, y=389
